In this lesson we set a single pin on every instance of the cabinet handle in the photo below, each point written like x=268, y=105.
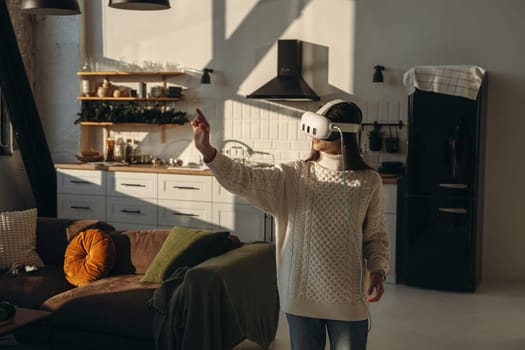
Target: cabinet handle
x=79, y=182
x=184, y=214
x=186, y=187
x=455, y=186
x=79, y=207
x=133, y=185
x=453, y=210
x=127, y=211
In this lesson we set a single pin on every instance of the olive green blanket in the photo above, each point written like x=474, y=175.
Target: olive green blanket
x=220, y=302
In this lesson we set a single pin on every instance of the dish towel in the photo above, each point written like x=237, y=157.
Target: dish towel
x=452, y=80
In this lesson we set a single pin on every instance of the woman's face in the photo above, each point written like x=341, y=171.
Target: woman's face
x=330, y=147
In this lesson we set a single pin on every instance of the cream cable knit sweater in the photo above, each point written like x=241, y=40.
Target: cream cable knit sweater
x=317, y=267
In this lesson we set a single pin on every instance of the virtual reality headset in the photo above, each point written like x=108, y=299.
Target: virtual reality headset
x=317, y=125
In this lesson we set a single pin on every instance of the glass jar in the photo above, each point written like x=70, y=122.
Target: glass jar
x=120, y=150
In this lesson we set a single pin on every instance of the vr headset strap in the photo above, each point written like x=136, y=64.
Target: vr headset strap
x=346, y=127
x=329, y=105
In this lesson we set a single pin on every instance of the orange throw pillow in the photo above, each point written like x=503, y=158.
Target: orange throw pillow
x=90, y=255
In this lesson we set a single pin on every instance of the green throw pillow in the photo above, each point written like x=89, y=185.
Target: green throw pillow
x=185, y=247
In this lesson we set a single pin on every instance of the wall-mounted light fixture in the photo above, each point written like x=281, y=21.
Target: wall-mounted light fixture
x=378, y=74
x=50, y=7
x=141, y=5
x=206, y=75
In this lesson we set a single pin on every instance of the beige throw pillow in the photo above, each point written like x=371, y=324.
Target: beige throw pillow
x=18, y=239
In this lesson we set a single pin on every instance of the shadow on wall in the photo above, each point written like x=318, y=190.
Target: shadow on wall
x=13, y=174
x=282, y=15
x=270, y=20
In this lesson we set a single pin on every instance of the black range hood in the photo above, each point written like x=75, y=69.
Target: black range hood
x=289, y=83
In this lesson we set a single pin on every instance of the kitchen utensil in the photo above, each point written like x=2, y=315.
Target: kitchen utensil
x=157, y=91
x=392, y=142
x=110, y=150
x=174, y=91
x=375, y=138
x=142, y=90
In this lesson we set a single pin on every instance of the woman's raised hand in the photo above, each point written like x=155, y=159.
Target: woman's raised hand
x=201, y=136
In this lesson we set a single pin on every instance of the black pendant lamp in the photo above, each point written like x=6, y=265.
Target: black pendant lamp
x=50, y=7
x=140, y=5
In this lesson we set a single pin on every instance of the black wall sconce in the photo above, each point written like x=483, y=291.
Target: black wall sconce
x=378, y=74
x=205, y=79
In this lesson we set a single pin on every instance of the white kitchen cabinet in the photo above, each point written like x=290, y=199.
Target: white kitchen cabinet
x=127, y=184
x=235, y=214
x=185, y=187
x=192, y=214
x=144, y=200
x=242, y=220
x=72, y=181
x=222, y=195
x=185, y=200
x=130, y=210
x=131, y=198
x=74, y=206
x=390, y=205
x=81, y=194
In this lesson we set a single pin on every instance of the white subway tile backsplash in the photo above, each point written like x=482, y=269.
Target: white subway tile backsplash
x=303, y=145
x=293, y=128
x=274, y=112
x=256, y=129
x=255, y=122
x=281, y=145
x=237, y=110
x=393, y=114
x=384, y=109
x=228, y=120
x=283, y=128
x=246, y=123
x=247, y=130
x=265, y=127
x=262, y=145
x=274, y=129
x=265, y=113
x=237, y=129
x=372, y=112
x=287, y=156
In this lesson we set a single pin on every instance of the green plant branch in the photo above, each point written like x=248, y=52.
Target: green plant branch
x=129, y=113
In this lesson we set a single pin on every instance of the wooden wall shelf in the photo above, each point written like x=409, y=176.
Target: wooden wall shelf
x=128, y=123
x=166, y=99
x=129, y=74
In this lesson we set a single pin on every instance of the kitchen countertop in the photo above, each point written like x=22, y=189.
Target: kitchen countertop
x=164, y=169
x=137, y=168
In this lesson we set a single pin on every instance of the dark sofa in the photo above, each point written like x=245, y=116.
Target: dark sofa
x=116, y=312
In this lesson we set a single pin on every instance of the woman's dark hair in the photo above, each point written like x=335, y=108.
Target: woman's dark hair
x=346, y=112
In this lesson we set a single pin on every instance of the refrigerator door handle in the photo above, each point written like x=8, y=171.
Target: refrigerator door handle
x=453, y=210
x=455, y=186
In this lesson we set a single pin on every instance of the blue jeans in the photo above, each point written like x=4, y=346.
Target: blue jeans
x=308, y=333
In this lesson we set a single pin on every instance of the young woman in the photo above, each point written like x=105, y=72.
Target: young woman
x=331, y=242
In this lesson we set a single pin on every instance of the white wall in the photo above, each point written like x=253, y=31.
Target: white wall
x=344, y=40
x=404, y=33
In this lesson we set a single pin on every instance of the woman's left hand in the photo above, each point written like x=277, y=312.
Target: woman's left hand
x=377, y=286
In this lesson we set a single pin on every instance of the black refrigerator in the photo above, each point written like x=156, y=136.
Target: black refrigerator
x=440, y=200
